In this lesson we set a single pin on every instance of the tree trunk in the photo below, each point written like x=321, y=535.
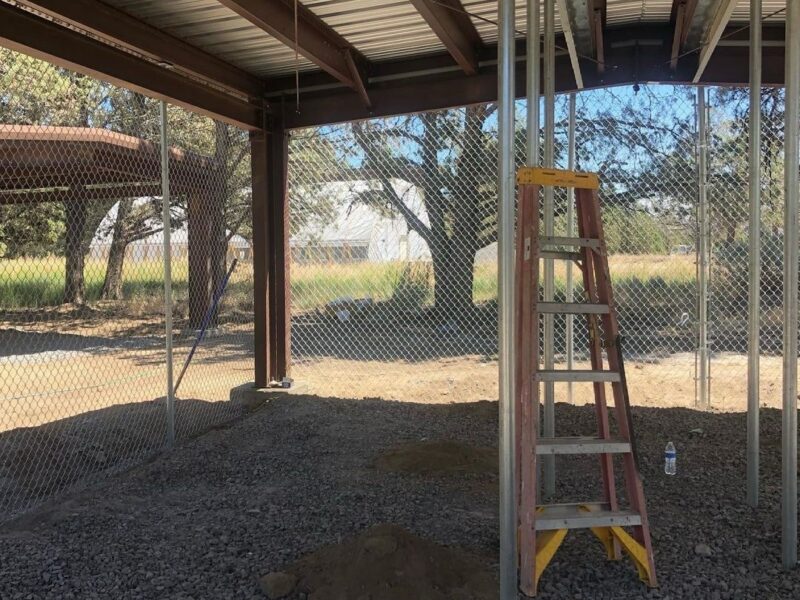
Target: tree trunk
x=218, y=235
x=112, y=284
x=731, y=236
x=74, y=251
x=453, y=273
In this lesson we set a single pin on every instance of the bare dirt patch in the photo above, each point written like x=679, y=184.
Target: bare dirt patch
x=438, y=456
x=386, y=562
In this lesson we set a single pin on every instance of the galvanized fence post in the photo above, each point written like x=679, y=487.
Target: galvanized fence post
x=570, y=286
x=167, y=241
x=754, y=304
x=506, y=195
x=702, y=252
x=790, y=282
x=548, y=425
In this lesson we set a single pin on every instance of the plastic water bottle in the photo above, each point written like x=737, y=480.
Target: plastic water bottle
x=669, y=459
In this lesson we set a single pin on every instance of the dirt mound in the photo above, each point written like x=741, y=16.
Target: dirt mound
x=442, y=456
x=386, y=562
x=483, y=409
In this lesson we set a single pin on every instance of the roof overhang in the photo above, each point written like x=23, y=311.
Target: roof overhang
x=349, y=86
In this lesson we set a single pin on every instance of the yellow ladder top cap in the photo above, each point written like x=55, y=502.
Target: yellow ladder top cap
x=557, y=178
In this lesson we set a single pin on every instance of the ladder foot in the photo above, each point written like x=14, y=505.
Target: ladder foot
x=638, y=554
x=547, y=544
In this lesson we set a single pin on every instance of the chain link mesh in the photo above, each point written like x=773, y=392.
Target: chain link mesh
x=82, y=330
x=393, y=250
x=389, y=215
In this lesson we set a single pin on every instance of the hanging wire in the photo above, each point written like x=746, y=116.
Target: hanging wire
x=296, y=61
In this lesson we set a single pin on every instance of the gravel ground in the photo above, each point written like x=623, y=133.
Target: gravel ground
x=207, y=520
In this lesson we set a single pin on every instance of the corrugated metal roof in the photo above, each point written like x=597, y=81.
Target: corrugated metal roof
x=741, y=14
x=380, y=29
x=218, y=30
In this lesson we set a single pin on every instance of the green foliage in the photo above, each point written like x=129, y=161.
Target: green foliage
x=413, y=288
x=30, y=230
x=732, y=267
x=634, y=232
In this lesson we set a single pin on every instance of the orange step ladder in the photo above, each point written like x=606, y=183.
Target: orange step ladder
x=542, y=528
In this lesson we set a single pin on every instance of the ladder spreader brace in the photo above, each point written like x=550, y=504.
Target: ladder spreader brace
x=542, y=528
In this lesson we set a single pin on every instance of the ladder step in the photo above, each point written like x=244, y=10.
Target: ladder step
x=570, y=241
x=582, y=445
x=576, y=375
x=559, y=255
x=572, y=308
x=575, y=516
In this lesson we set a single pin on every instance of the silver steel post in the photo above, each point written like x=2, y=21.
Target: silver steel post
x=790, y=299
x=548, y=429
x=754, y=316
x=506, y=196
x=570, y=291
x=534, y=76
x=167, y=251
x=703, y=249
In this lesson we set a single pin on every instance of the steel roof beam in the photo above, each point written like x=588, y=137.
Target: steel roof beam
x=635, y=54
x=716, y=27
x=570, y=17
x=454, y=28
x=120, y=28
x=683, y=15
x=41, y=38
x=315, y=39
x=597, y=18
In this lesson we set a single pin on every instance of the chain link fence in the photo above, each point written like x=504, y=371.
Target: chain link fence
x=394, y=251
x=82, y=278
x=394, y=261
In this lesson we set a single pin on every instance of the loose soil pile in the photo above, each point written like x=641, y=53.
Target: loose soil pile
x=386, y=562
x=440, y=456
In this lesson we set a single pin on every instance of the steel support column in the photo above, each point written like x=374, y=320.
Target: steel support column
x=278, y=217
x=506, y=196
x=570, y=291
x=549, y=421
x=533, y=81
x=790, y=299
x=702, y=253
x=167, y=251
x=754, y=314
x=269, y=159
x=259, y=202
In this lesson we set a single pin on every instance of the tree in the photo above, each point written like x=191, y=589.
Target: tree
x=450, y=157
x=34, y=92
x=136, y=115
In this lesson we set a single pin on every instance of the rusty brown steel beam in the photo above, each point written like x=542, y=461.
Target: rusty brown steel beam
x=41, y=38
x=600, y=53
x=62, y=194
x=453, y=27
x=597, y=19
x=278, y=251
x=114, y=25
x=260, y=201
x=682, y=15
x=315, y=39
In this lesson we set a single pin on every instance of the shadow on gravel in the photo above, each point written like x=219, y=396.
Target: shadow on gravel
x=299, y=474
x=40, y=463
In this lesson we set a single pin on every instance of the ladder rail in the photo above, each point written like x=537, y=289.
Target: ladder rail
x=589, y=251
x=527, y=326
x=633, y=482
x=596, y=361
